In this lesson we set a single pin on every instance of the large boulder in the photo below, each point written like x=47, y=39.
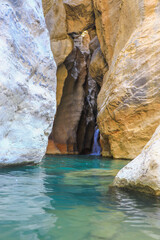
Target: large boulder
x=142, y=173
x=28, y=82
x=129, y=100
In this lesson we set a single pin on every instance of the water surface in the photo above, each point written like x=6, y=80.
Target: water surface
x=68, y=198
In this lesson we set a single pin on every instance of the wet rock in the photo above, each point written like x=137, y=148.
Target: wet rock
x=142, y=174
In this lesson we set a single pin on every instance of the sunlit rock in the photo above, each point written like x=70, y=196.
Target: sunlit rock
x=142, y=174
x=55, y=16
x=28, y=82
x=129, y=100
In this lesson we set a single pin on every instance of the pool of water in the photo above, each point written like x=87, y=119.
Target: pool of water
x=68, y=198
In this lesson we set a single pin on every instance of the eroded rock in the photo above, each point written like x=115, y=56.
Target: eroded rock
x=70, y=109
x=62, y=74
x=61, y=42
x=74, y=124
x=80, y=15
x=98, y=66
x=142, y=174
x=129, y=99
x=28, y=82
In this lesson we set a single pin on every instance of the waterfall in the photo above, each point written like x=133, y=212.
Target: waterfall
x=96, y=149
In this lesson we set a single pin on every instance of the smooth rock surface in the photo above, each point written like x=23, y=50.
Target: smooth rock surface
x=142, y=173
x=98, y=66
x=62, y=74
x=61, y=42
x=70, y=109
x=129, y=100
x=28, y=82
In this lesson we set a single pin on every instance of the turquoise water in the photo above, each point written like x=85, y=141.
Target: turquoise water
x=68, y=198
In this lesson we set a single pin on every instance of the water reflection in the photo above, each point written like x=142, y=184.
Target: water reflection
x=22, y=201
x=87, y=209
x=68, y=198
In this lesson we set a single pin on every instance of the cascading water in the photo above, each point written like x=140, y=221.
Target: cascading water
x=96, y=150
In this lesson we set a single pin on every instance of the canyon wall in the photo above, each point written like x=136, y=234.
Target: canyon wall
x=124, y=53
x=111, y=46
x=28, y=82
x=129, y=100
x=75, y=119
x=79, y=77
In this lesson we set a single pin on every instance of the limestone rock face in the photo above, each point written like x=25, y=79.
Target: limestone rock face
x=107, y=17
x=74, y=124
x=129, y=100
x=70, y=108
x=61, y=49
x=80, y=15
x=98, y=66
x=61, y=42
x=62, y=74
x=28, y=82
x=142, y=173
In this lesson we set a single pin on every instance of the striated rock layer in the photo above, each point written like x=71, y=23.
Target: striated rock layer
x=124, y=62
x=70, y=108
x=129, y=100
x=75, y=119
x=142, y=173
x=28, y=82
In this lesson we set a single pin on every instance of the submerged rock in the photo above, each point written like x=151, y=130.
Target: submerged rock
x=143, y=173
x=28, y=82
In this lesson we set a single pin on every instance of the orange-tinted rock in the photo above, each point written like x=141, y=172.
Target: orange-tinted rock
x=76, y=114
x=55, y=16
x=98, y=66
x=70, y=109
x=129, y=100
x=80, y=15
x=62, y=74
x=51, y=148
x=107, y=15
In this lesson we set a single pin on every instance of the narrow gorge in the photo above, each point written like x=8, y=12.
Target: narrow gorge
x=96, y=48
x=80, y=119
x=81, y=67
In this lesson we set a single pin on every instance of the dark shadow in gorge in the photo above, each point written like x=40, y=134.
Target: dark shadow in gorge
x=75, y=120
